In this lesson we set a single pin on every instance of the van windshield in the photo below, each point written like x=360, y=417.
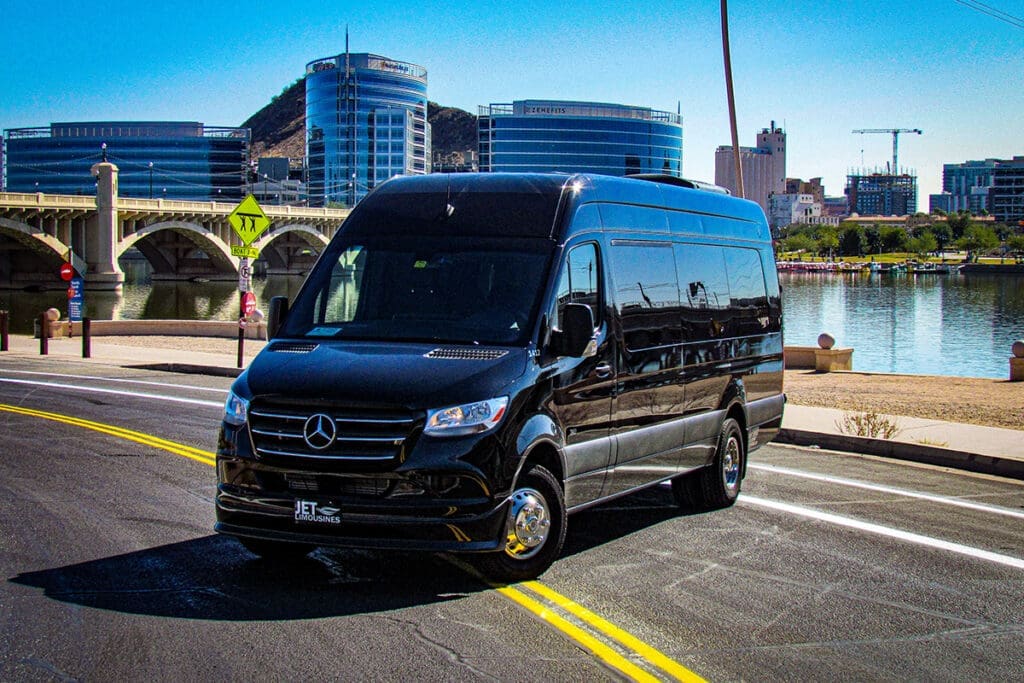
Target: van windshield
x=433, y=289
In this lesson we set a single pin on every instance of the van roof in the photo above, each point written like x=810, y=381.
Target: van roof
x=466, y=203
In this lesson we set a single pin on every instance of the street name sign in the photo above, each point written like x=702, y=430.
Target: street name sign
x=245, y=252
x=248, y=220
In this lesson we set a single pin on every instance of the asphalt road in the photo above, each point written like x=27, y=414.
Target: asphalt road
x=831, y=567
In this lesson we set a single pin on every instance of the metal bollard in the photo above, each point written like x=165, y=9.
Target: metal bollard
x=44, y=334
x=86, y=338
x=4, y=336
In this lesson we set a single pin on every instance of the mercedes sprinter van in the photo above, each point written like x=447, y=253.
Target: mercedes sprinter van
x=476, y=356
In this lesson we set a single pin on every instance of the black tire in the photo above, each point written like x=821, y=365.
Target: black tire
x=276, y=551
x=535, y=529
x=717, y=485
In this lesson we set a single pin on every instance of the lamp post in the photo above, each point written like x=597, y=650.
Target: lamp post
x=151, y=180
x=264, y=187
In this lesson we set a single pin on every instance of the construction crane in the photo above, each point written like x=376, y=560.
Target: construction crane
x=895, y=140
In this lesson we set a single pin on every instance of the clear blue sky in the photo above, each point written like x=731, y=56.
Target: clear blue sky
x=819, y=68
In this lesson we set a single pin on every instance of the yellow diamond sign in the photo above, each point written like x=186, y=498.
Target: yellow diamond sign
x=248, y=220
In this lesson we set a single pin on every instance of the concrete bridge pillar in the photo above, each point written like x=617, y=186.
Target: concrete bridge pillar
x=102, y=236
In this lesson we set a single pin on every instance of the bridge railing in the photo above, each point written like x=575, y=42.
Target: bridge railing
x=64, y=201
x=41, y=200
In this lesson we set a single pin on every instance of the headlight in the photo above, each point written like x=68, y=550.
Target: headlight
x=470, y=418
x=235, y=409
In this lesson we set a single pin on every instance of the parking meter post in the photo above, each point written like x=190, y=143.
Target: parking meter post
x=86, y=338
x=44, y=334
x=4, y=338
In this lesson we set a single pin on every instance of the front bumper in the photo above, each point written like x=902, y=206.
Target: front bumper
x=382, y=510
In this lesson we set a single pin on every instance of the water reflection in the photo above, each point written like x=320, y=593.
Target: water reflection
x=960, y=325
x=162, y=300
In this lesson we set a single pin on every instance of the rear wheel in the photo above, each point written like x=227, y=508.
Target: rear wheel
x=534, y=529
x=276, y=551
x=717, y=485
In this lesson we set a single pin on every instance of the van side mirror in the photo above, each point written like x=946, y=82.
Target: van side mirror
x=276, y=315
x=576, y=334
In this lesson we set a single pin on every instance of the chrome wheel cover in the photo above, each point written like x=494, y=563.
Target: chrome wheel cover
x=731, y=458
x=528, y=524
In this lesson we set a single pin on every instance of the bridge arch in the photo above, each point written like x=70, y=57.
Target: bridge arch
x=171, y=246
x=291, y=248
x=31, y=256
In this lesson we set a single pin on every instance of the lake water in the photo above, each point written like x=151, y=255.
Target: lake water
x=960, y=325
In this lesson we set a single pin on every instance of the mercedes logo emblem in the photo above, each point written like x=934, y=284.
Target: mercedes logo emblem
x=319, y=431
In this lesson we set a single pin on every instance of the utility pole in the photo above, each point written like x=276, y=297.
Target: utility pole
x=895, y=141
x=732, y=100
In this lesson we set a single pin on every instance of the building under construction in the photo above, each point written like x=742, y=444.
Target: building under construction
x=881, y=194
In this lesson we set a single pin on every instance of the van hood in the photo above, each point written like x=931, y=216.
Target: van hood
x=413, y=376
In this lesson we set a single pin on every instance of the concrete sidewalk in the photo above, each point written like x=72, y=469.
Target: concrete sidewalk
x=971, y=447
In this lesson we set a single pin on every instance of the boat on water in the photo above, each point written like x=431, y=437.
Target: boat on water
x=928, y=269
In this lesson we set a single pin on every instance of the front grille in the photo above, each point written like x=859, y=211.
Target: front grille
x=369, y=436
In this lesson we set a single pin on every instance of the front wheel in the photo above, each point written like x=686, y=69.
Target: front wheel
x=534, y=529
x=717, y=485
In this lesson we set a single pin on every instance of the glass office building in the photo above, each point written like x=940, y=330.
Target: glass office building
x=158, y=159
x=366, y=121
x=584, y=137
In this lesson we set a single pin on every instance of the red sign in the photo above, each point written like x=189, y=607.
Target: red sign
x=248, y=304
x=66, y=272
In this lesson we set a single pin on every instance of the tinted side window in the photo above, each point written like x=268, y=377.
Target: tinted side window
x=748, y=297
x=646, y=293
x=580, y=282
x=704, y=291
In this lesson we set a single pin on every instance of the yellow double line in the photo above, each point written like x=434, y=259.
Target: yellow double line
x=613, y=646
x=184, y=451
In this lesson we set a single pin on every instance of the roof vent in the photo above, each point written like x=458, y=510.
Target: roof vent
x=680, y=182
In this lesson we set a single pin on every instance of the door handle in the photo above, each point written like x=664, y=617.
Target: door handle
x=603, y=370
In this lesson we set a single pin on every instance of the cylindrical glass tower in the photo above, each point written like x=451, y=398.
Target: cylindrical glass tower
x=366, y=121
x=579, y=137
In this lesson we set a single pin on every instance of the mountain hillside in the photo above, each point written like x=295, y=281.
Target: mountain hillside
x=279, y=129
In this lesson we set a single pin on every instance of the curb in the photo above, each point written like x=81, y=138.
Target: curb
x=899, y=450
x=188, y=369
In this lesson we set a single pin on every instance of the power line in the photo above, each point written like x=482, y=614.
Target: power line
x=992, y=12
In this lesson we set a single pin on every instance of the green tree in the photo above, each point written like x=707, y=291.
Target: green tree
x=799, y=242
x=978, y=238
x=873, y=239
x=851, y=240
x=959, y=222
x=943, y=235
x=893, y=238
x=1015, y=243
x=828, y=242
x=923, y=245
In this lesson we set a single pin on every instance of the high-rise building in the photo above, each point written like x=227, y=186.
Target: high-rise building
x=881, y=194
x=992, y=185
x=764, y=167
x=366, y=121
x=579, y=137
x=967, y=185
x=1006, y=198
x=158, y=159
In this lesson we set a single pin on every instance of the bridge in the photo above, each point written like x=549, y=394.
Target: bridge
x=182, y=240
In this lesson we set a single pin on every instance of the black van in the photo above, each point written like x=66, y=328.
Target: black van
x=474, y=356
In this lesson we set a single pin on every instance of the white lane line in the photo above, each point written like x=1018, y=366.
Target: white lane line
x=118, y=380
x=880, y=530
x=118, y=392
x=945, y=500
